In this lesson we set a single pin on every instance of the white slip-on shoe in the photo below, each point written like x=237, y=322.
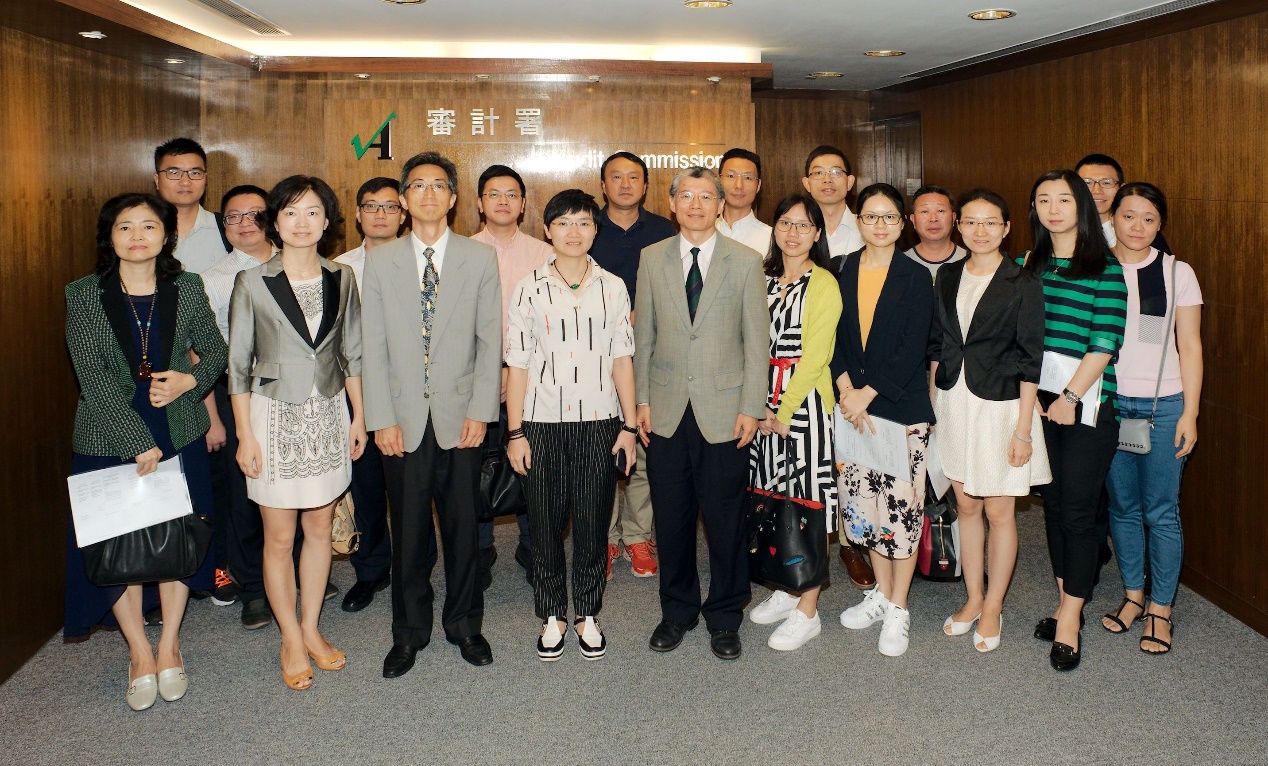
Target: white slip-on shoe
x=775, y=609
x=590, y=638
x=953, y=628
x=796, y=631
x=142, y=691
x=867, y=612
x=986, y=644
x=550, y=645
x=893, y=641
x=173, y=682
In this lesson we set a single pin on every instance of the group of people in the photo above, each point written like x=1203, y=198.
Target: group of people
x=689, y=367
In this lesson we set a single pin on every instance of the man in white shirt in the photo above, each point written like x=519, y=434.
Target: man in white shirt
x=933, y=215
x=1103, y=175
x=741, y=172
x=380, y=216
x=829, y=180
x=180, y=177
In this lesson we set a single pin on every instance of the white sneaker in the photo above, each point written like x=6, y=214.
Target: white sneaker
x=795, y=632
x=774, y=609
x=867, y=612
x=893, y=641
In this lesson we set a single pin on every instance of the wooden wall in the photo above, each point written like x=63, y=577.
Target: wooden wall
x=1186, y=112
x=77, y=128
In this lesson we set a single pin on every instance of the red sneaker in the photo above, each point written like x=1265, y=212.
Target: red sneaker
x=614, y=553
x=642, y=564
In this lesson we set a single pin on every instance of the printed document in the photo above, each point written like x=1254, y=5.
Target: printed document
x=115, y=501
x=884, y=451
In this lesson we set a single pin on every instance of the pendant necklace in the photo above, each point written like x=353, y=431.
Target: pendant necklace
x=565, y=279
x=143, y=369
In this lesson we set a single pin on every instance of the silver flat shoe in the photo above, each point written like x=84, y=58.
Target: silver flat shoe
x=142, y=692
x=173, y=682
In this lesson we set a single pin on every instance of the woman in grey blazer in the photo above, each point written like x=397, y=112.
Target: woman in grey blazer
x=294, y=347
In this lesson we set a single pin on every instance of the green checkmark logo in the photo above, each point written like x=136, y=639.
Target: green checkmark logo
x=360, y=148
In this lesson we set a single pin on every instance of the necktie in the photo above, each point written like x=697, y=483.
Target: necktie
x=695, y=283
x=431, y=281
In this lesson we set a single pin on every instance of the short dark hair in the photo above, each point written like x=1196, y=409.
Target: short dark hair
x=773, y=264
x=887, y=191
x=1091, y=251
x=631, y=156
x=984, y=195
x=243, y=189
x=175, y=147
x=1146, y=191
x=935, y=189
x=292, y=188
x=498, y=171
x=742, y=154
x=570, y=201
x=166, y=267
x=377, y=184
x=1101, y=159
x=431, y=158
x=823, y=150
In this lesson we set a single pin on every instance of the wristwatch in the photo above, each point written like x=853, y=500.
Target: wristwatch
x=630, y=429
x=1070, y=396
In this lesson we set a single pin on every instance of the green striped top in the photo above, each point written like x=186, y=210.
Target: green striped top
x=1083, y=316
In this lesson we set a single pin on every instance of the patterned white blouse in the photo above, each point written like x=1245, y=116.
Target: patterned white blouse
x=568, y=343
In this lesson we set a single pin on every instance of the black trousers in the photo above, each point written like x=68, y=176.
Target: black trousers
x=571, y=470
x=450, y=478
x=238, y=528
x=373, y=559
x=690, y=477
x=1080, y=458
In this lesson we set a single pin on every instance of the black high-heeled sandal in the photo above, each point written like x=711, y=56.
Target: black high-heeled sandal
x=1166, y=645
x=1116, y=616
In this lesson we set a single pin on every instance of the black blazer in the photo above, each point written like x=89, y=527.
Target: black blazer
x=894, y=362
x=1004, y=344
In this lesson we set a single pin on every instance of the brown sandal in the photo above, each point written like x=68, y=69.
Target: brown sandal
x=1116, y=616
x=1166, y=645
x=336, y=660
x=301, y=681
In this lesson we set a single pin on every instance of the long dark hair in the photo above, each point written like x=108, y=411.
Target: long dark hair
x=1091, y=251
x=773, y=264
x=166, y=267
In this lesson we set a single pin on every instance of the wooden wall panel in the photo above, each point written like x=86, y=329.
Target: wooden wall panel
x=77, y=128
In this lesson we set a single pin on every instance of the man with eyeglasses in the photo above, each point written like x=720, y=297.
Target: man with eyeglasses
x=1103, y=176
x=501, y=202
x=933, y=216
x=829, y=180
x=741, y=172
x=625, y=229
x=180, y=177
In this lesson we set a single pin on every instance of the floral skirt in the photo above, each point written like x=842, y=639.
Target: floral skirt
x=882, y=512
x=307, y=462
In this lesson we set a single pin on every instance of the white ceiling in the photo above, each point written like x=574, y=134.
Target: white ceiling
x=794, y=36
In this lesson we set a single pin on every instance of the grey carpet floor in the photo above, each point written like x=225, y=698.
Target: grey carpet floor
x=836, y=701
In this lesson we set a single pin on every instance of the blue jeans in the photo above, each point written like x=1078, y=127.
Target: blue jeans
x=1144, y=493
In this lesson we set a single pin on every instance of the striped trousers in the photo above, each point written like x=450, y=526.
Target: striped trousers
x=571, y=471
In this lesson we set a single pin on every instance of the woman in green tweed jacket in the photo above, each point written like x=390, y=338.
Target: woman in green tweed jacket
x=134, y=329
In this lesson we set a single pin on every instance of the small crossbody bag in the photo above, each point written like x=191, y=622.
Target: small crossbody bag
x=1134, y=433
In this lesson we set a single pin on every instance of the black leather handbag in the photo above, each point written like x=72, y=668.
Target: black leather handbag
x=170, y=550
x=500, y=490
x=788, y=540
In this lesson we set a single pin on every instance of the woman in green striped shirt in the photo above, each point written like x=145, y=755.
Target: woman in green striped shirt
x=1085, y=307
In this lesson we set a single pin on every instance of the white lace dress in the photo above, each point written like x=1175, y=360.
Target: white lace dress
x=305, y=446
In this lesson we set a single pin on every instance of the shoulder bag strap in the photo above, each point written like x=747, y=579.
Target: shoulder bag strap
x=1166, y=338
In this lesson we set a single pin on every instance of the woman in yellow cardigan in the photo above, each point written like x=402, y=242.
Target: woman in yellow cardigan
x=794, y=448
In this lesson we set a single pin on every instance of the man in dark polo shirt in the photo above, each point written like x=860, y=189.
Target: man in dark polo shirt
x=625, y=228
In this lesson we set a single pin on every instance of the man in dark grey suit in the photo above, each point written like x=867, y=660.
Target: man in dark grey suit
x=432, y=368
x=701, y=339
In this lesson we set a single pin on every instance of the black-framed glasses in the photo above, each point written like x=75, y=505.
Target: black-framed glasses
x=890, y=219
x=802, y=227
x=372, y=208
x=254, y=216
x=195, y=174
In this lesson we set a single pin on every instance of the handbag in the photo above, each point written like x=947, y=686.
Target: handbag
x=169, y=550
x=938, y=555
x=345, y=538
x=788, y=539
x=1134, y=434
x=500, y=491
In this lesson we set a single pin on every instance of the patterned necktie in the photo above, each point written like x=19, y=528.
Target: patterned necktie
x=695, y=283
x=431, y=281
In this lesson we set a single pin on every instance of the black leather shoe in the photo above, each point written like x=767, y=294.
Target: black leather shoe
x=399, y=661
x=362, y=593
x=487, y=557
x=1064, y=656
x=725, y=644
x=474, y=649
x=1046, y=629
x=524, y=557
x=256, y=614
x=668, y=635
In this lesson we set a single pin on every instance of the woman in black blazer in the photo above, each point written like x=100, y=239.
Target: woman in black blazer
x=986, y=346
x=879, y=369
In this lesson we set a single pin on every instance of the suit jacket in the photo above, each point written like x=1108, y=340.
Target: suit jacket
x=1003, y=347
x=464, y=379
x=718, y=363
x=99, y=336
x=270, y=349
x=894, y=361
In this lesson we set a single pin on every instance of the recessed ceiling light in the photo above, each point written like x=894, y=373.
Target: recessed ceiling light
x=175, y=61
x=594, y=78
x=826, y=74
x=483, y=76
x=405, y=2
x=992, y=14
x=714, y=79
x=707, y=3
x=362, y=75
x=93, y=35
x=883, y=54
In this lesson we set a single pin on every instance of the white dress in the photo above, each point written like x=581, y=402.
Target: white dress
x=974, y=434
x=305, y=446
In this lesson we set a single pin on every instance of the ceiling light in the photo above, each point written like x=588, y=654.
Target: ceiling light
x=405, y=2
x=483, y=76
x=883, y=54
x=714, y=79
x=706, y=3
x=595, y=78
x=362, y=75
x=992, y=14
x=93, y=35
x=175, y=61
x=826, y=74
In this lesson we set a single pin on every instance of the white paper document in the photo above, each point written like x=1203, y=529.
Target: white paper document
x=1056, y=373
x=115, y=501
x=933, y=466
x=884, y=451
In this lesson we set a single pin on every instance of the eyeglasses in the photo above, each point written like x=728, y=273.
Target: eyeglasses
x=372, y=208
x=834, y=174
x=890, y=219
x=1104, y=183
x=195, y=174
x=434, y=186
x=687, y=196
x=251, y=216
x=992, y=225
x=579, y=225
x=746, y=177
x=802, y=227
x=495, y=196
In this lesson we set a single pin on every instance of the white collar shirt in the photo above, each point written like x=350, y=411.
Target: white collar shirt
x=437, y=257
x=703, y=259
x=1108, y=228
x=203, y=246
x=218, y=283
x=356, y=259
x=846, y=239
x=747, y=231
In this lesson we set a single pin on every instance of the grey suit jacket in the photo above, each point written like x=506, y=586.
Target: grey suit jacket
x=466, y=349
x=270, y=350
x=718, y=363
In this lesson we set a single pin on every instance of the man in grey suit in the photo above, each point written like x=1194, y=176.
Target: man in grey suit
x=701, y=339
x=432, y=364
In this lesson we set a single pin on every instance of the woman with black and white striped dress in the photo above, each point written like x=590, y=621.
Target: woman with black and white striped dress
x=570, y=409
x=793, y=452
